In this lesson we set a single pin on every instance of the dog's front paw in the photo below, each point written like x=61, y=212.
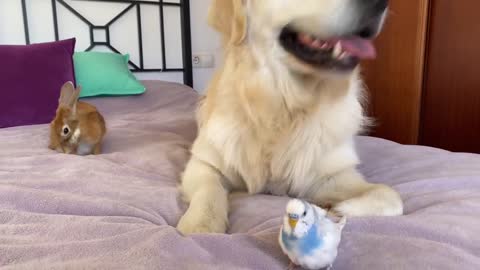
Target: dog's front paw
x=362, y=206
x=380, y=201
x=196, y=223
x=349, y=208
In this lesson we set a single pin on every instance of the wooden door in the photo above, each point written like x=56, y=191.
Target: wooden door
x=395, y=78
x=451, y=102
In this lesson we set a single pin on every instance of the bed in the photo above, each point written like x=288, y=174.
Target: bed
x=119, y=210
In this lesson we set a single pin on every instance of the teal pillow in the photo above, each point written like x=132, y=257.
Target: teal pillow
x=100, y=74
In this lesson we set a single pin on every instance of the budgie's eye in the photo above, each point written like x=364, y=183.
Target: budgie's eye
x=305, y=213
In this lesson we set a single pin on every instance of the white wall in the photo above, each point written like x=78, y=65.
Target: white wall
x=204, y=40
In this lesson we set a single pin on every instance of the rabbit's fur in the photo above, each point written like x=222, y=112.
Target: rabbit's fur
x=78, y=127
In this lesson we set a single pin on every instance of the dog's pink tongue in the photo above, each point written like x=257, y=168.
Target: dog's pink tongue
x=359, y=47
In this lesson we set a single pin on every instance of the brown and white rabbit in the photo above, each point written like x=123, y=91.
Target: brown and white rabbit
x=78, y=127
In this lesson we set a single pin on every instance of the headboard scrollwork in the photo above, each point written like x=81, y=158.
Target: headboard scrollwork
x=130, y=8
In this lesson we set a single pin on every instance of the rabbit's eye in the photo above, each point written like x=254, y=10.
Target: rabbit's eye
x=66, y=130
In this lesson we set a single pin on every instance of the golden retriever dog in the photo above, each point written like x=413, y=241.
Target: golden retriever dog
x=281, y=114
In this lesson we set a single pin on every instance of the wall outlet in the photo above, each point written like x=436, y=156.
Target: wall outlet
x=203, y=60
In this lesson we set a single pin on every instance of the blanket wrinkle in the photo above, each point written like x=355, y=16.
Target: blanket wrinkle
x=119, y=210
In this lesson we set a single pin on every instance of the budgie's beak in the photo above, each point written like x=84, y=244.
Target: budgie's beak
x=292, y=221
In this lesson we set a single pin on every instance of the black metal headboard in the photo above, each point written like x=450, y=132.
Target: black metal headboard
x=183, y=5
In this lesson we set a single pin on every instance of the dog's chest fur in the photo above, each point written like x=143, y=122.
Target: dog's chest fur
x=281, y=151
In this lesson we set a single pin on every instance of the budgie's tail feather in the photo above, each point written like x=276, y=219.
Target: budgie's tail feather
x=342, y=222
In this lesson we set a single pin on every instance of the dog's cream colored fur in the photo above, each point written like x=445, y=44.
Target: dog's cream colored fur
x=270, y=123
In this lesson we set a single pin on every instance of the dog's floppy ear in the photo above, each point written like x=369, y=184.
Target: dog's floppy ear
x=229, y=18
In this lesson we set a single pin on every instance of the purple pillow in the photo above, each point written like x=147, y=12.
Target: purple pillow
x=30, y=80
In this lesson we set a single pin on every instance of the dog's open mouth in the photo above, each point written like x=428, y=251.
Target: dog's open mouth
x=335, y=53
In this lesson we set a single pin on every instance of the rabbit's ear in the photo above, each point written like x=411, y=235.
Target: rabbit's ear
x=76, y=94
x=66, y=94
x=79, y=89
x=74, y=99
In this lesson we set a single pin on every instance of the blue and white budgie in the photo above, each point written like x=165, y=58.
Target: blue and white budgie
x=309, y=237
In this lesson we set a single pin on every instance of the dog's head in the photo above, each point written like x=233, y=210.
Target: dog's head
x=307, y=35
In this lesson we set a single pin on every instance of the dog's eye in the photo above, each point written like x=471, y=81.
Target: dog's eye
x=66, y=130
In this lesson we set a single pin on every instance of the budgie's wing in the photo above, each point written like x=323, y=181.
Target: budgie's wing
x=328, y=227
x=342, y=223
x=320, y=211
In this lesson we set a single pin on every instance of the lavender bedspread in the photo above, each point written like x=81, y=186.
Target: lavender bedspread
x=116, y=211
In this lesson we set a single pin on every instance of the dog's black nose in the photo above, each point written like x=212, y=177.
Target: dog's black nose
x=382, y=4
x=373, y=7
x=371, y=18
x=376, y=6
